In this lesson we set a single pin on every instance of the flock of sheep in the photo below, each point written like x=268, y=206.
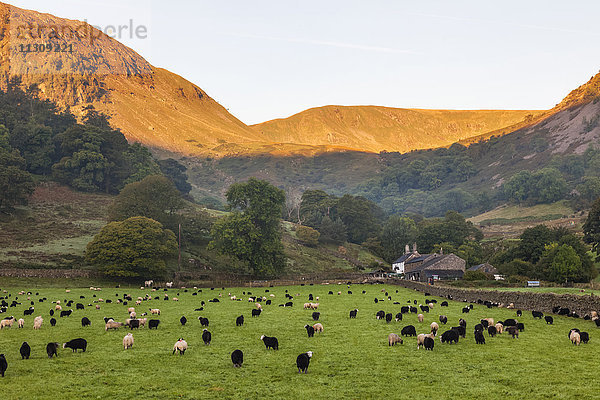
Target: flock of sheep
x=423, y=340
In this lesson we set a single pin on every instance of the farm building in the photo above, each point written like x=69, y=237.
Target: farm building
x=435, y=266
x=485, y=268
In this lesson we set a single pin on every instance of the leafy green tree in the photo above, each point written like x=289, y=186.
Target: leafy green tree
x=314, y=205
x=518, y=187
x=140, y=162
x=397, y=232
x=591, y=228
x=252, y=232
x=175, y=171
x=533, y=242
x=308, y=235
x=16, y=184
x=196, y=227
x=137, y=247
x=332, y=230
x=474, y=276
x=565, y=263
x=153, y=197
x=516, y=267
x=360, y=216
x=453, y=229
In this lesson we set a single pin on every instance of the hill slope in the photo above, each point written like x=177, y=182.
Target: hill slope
x=374, y=128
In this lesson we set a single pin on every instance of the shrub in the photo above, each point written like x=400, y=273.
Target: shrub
x=307, y=235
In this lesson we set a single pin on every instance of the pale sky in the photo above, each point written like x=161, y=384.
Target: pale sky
x=271, y=59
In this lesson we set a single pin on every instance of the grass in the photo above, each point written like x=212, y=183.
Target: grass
x=556, y=290
x=351, y=357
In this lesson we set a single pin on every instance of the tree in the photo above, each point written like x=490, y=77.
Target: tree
x=252, y=232
x=397, y=232
x=533, y=242
x=16, y=184
x=153, y=197
x=591, y=228
x=565, y=263
x=474, y=276
x=308, y=235
x=135, y=247
x=360, y=216
x=175, y=171
x=332, y=230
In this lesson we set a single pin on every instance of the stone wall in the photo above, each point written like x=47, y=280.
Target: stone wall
x=47, y=273
x=582, y=304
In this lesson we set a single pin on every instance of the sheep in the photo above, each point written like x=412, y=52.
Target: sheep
x=513, y=331
x=3, y=365
x=421, y=339
x=549, y=319
x=353, y=313
x=479, y=338
x=408, y=330
x=131, y=309
x=510, y=322
x=21, y=322
x=52, y=349
x=111, y=324
x=97, y=306
x=466, y=310
x=310, y=330
x=270, y=342
x=180, y=346
x=237, y=358
x=58, y=307
x=449, y=336
x=37, y=322
x=176, y=299
x=79, y=306
x=66, y=313
x=85, y=321
x=380, y=314
x=306, y=306
x=428, y=343
x=444, y=304
x=393, y=339
x=318, y=327
x=52, y=321
x=7, y=322
x=132, y=323
x=398, y=317
x=461, y=330
x=132, y=315
x=490, y=322
x=492, y=331
x=303, y=361
x=575, y=338
x=585, y=337
x=537, y=314
x=388, y=317
x=206, y=336
x=256, y=312
x=153, y=323
x=434, y=328
x=499, y=328
x=154, y=311
x=424, y=308
x=25, y=351
x=239, y=321
x=519, y=313
x=479, y=328
x=316, y=315
x=128, y=341
x=520, y=326
x=76, y=344
x=203, y=321
x=420, y=317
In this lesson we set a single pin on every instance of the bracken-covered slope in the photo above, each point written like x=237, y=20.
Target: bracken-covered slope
x=374, y=128
x=150, y=105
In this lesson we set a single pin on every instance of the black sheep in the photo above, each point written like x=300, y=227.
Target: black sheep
x=25, y=351
x=549, y=319
x=134, y=323
x=380, y=314
x=289, y=304
x=388, y=317
x=443, y=319
x=513, y=331
x=462, y=323
x=51, y=312
x=444, y=304
x=479, y=328
x=65, y=313
x=270, y=342
x=85, y=322
x=449, y=336
x=237, y=358
x=3, y=365
x=424, y=309
x=353, y=313
x=183, y=320
x=52, y=349
x=76, y=344
x=492, y=331
x=316, y=315
x=428, y=343
x=519, y=313
x=461, y=330
x=510, y=322
x=268, y=302
x=537, y=314
x=404, y=309
x=203, y=321
x=302, y=361
x=485, y=323
x=479, y=338
x=414, y=310
x=465, y=310
x=256, y=312
x=206, y=336
x=585, y=337
x=153, y=323
x=310, y=330
x=79, y=306
x=408, y=330
x=399, y=317
x=52, y=321
x=520, y=327
x=239, y=321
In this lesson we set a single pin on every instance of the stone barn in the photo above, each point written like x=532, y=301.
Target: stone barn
x=435, y=266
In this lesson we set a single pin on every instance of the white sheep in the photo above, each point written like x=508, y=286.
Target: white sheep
x=128, y=341
x=421, y=339
x=132, y=315
x=37, y=322
x=499, y=328
x=7, y=322
x=258, y=306
x=393, y=339
x=575, y=338
x=434, y=328
x=318, y=327
x=58, y=307
x=420, y=317
x=112, y=325
x=180, y=346
x=21, y=322
x=131, y=309
x=154, y=311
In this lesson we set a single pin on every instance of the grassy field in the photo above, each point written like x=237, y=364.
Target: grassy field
x=351, y=357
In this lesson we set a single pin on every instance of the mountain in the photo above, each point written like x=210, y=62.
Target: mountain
x=168, y=113
x=375, y=129
x=150, y=105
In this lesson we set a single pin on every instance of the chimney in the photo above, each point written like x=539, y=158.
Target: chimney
x=406, y=249
x=415, y=247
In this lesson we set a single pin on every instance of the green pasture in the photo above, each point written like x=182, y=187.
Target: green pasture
x=351, y=359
